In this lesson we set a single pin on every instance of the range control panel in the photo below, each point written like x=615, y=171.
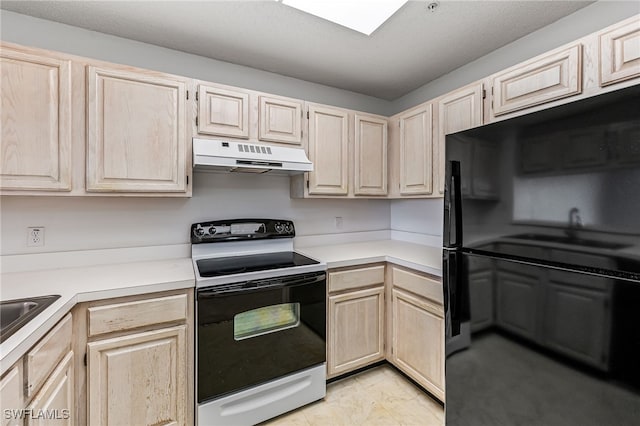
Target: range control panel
x=241, y=229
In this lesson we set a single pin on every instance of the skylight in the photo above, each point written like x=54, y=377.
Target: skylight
x=364, y=16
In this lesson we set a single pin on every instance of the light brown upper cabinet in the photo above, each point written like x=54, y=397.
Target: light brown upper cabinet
x=416, y=151
x=137, y=137
x=537, y=81
x=280, y=120
x=457, y=111
x=36, y=121
x=328, y=150
x=370, y=168
x=223, y=112
x=620, y=52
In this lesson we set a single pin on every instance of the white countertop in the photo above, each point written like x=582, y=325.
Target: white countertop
x=82, y=284
x=420, y=257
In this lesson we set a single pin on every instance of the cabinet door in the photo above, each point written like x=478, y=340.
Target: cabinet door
x=517, y=303
x=370, y=156
x=481, y=296
x=137, y=140
x=356, y=330
x=12, y=396
x=280, y=120
x=537, y=81
x=328, y=150
x=416, y=151
x=620, y=53
x=457, y=111
x=418, y=340
x=223, y=112
x=139, y=379
x=57, y=397
x=577, y=323
x=36, y=122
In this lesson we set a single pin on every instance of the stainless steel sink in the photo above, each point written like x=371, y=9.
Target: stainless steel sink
x=14, y=314
x=570, y=240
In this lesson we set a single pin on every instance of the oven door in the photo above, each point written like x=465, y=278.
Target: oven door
x=252, y=332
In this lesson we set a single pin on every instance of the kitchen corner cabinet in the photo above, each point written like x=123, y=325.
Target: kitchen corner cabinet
x=620, y=52
x=417, y=329
x=328, y=151
x=43, y=380
x=137, y=137
x=139, y=366
x=36, y=126
x=355, y=319
x=457, y=111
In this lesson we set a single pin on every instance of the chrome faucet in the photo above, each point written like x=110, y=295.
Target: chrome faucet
x=575, y=222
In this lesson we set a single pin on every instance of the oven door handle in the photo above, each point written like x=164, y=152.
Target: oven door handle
x=258, y=285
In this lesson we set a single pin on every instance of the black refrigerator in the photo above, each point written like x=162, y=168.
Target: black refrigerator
x=541, y=267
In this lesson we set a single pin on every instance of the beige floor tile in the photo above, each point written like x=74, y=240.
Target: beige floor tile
x=377, y=397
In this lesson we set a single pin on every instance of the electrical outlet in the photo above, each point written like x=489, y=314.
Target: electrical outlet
x=35, y=236
x=338, y=222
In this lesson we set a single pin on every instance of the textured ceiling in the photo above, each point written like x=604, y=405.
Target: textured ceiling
x=412, y=48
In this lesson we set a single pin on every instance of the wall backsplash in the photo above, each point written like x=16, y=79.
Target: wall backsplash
x=85, y=223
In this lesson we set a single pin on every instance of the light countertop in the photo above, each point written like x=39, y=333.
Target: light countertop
x=76, y=285
x=420, y=257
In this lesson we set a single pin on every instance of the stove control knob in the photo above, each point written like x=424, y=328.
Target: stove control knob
x=280, y=228
x=289, y=228
x=199, y=231
x=211, y=230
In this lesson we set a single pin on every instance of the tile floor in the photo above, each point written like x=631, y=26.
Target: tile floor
x=380, y=396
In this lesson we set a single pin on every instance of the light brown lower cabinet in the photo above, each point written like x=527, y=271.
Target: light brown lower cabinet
x=39, y=388
x=56, y=399
x=139, y=379
x=406, y=328
x=139, y=360
x=356, y=330
x=418, y=340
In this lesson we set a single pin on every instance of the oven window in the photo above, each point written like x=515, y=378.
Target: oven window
x=267, y=319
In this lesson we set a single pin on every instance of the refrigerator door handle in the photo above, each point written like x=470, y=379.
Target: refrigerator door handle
x=456, y=292
x=452, y=206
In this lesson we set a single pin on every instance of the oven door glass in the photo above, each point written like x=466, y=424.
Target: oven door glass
x=253, y=332
x=269, y=319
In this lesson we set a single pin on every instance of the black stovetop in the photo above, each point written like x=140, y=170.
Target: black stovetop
x=218, y=266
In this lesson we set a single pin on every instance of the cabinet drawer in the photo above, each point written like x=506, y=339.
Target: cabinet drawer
x=135, y=314
x=418, y=284
x=355, y=278
x=43, y=358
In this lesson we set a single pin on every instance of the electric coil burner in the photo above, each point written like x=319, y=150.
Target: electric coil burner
x=261, y=314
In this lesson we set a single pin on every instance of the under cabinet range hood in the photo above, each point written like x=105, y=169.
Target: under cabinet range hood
x=247, y=157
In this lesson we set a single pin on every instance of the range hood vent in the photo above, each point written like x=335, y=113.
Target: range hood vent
x=246, y=157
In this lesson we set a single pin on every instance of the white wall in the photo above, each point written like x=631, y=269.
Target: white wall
x=417, y=216
x=583, y=22
x=34, y=32
x=83, y=223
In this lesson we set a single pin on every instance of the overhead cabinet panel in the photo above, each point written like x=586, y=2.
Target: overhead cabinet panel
x=328, y=150
x=36, y=122
x=280, y=120
x=223, y=112
x=620, y=53
x=458, y=111
x=137, y=140
x=416, y=152
x=541, y=80
x=371, y=156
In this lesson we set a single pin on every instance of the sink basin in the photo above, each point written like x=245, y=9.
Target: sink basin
x=14, y=314
x=571, y=241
